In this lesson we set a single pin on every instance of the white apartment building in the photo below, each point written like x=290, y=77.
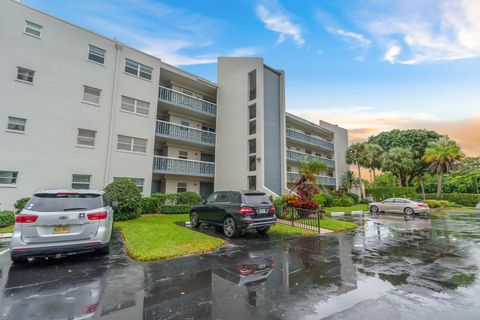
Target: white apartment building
x=79, y=110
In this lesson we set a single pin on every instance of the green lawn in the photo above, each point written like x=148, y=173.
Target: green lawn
x=156, y=236
x=358, y=207
x=7, y=229
x=283, y=230
x=331, y=224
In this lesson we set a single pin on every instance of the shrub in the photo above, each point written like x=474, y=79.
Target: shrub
x=438, y=203
x=464, y=199
x=165, y=198
x=354, y=196
x=323, y=199
x=343, y=201
x=175, y=208
x=149, y=205
x=129, y=199
x=306, y=191
x=278, y=202
x=381, y=193
x=20, y=204
x=7, y=218
x=188, y=198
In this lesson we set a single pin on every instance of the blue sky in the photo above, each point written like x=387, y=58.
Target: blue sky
x=368, y=65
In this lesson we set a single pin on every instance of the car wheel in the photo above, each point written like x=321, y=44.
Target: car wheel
x=194, y=222
x=374, y=209
x=18, y=260
x=229, y=227
x=408, y=211
x=263, y=230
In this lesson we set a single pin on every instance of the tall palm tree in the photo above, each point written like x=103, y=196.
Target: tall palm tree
x=373, y=158
x=349, y=180
x=442, y=156
x=356, y=154
x=308, y=172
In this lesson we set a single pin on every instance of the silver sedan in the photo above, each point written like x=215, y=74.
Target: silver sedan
x=398, y=205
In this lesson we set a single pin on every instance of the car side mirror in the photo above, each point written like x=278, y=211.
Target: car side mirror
x=204, y=201
x=114, y=204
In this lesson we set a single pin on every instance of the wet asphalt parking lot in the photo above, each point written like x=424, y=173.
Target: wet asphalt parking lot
x=388, y=268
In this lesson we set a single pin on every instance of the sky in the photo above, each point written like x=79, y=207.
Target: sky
x=366, y=65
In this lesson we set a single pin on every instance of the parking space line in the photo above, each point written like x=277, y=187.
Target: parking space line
x=4, y=251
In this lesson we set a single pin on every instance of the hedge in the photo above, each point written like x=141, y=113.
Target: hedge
x=129, y=198
x=463, y=199
x=7, y=218
x=150, y=205
x=343, y=201
x=175, y=208
x=381, y=193
x=177, y=198
x=20, y=204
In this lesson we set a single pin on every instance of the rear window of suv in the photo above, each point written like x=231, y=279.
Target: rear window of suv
x=256, y=199
x=51, y=202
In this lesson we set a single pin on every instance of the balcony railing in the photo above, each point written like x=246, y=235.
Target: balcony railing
x=305, y=138
x=187, y=102
x=184, y=133
x=303, y=157
x=323, y=180
x=183, y=167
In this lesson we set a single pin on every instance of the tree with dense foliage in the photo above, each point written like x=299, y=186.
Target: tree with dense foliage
x=356, y=154
x=349, y=180
x=442, y=157
x=125, y=192
x=373, y=159
x=400, y=162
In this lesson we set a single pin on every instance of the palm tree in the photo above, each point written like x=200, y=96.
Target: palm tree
x=398, y=161
x=308, y=172
x=356, y=154
x=349, y=180
x=442, y=156
x=373, y=158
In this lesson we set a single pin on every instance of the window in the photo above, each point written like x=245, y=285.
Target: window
x=8, y=177
x=252, y=121
x=25, y=74
x=96, y=54
x=138, y=182
x=185, y=123
x=223, y=197
x=212, y=197
x=252, y=146
x=207, y=127
x=86, y=137
x=252, y=127
x=252, y=85
x=135, y=105
x=182, y=155
x=252, y=163
x=181, y=187
x=252, y=111
x=138, y=69
x=252, y=183
x=16, y=124
x=33, y=29
x=132, y=144
x=91, y=95
x=81, y=181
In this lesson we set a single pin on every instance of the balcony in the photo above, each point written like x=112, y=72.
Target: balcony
x=307, y=139
x=304, y=157
x=322, y=180
x=166, y=165
x=183, y=133
x=186, y=102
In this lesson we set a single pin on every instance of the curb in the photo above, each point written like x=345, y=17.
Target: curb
x=5, y=235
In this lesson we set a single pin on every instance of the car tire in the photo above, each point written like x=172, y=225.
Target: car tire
x=374, y=209
x=18, y=260
x=230, y=227
x=263, y=230
x=194, y=222
x=408, y=211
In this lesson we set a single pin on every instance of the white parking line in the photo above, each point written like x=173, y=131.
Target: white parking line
x=4, y=251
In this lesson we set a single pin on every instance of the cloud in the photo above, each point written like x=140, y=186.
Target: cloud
x=427, y=31
x=363, y=122
x=360, y=38
x=275, y=20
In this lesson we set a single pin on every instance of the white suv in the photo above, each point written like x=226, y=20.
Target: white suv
x=62, y=222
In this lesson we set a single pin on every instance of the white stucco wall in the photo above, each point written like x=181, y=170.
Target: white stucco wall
x=340, y=141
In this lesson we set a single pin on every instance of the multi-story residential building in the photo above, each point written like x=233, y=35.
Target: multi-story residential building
x=80, y=110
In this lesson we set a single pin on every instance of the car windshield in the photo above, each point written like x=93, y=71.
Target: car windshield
x=256, y=199
x=57, y=202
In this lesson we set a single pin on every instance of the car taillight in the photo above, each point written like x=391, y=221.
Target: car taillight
x=421, y=204
x=25, y=218
x=271, y=210
x=246, y=270
x=246, y=210
x=91, y=308
x=97, y=215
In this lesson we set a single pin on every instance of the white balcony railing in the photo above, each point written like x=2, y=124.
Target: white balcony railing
x=183, y=167
x=187, y=102
x=305, y=138
x=184, y=133
x=304, y=157
x=323, y=180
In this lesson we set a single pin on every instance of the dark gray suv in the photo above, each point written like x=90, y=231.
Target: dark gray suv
x=235, y=212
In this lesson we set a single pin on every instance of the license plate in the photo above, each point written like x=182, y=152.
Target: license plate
x=262, y=211
x=61, y=229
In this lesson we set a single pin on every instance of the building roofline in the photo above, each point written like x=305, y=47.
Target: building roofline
x=188, y=74
x=305, y=121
